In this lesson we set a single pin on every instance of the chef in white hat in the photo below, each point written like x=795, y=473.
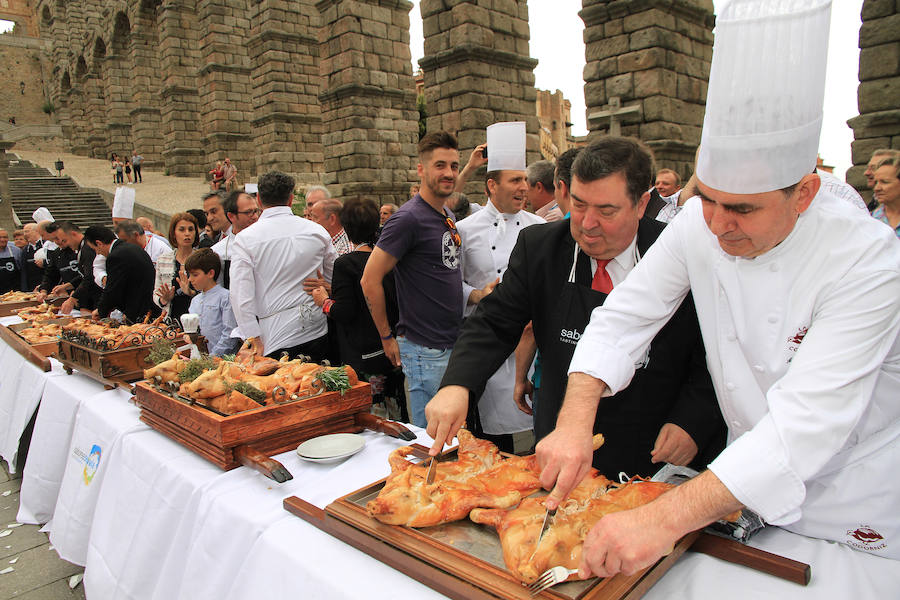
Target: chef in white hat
x=488, y=238
x=796, y=291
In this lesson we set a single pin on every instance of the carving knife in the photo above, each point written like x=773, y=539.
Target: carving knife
x=429, y=475
x=596, y=442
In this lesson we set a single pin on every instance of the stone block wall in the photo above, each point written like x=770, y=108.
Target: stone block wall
x=369, y=116
x=654, y=55
x=878, y=123
x=478, y=71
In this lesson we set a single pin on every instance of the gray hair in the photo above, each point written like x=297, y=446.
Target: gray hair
x=541, y=171
x=318, y=188
x=129, y=228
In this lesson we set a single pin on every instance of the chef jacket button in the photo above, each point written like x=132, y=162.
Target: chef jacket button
x=773, y=319
x=493, y=247
x=730, y=386
x=517, y=223
x=758, y=368
x=498, y=270
x=495, y=223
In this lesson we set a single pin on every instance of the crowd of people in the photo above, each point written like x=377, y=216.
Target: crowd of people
x=744, y=323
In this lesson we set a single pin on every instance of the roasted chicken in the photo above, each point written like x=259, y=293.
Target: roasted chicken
x=478, y=478
x=519, y=529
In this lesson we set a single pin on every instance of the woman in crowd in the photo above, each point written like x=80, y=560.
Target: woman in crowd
x=128, y=169
x=114, y=166
x=358, y=339
x=173, y=290
x=218, y=176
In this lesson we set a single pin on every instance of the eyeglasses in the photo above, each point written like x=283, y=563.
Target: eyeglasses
x=453, y=232
x=249, y=213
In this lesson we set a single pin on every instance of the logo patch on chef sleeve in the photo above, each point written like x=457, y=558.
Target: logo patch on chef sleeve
x=793, y=342
x=865, y=538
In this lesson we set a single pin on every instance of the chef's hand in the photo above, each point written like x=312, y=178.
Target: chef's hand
x=95, y=315
x=626, y=542
x=673, y=445
x=39, y=262
x=476, y=295
x=254, y=346
x=165, y=292
x=446, y=413
x=312, y=283
x=564, y=457
x=42, y=295
x=60, y=290
x=68, y=306
x=392, y=350
x=319, y=296
x=521, y=391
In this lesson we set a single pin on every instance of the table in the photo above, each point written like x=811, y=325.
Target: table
x=157, y=521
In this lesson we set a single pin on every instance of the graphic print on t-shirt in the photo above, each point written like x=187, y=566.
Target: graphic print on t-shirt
x=449, y=251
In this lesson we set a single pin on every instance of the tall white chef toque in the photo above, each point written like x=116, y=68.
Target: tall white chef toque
x=766, y=88
x=506, y=152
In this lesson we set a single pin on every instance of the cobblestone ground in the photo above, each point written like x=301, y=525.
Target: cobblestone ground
x=30, y=569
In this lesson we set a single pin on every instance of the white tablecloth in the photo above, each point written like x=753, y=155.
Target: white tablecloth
x=21, y=388
x=100, y=424
x=50, y=442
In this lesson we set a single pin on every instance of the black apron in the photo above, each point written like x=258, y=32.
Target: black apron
x=33, y=274
x=627, y=435
x=10, y=276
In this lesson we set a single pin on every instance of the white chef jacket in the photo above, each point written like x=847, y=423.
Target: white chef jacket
x=802, y=345
x=488, y=238
x=269, y=261
x=223, y=249
x=156, y=246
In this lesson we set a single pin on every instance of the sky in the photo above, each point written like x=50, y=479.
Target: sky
x=558, y=45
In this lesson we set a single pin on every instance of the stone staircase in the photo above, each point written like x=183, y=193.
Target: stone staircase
x=32, y=187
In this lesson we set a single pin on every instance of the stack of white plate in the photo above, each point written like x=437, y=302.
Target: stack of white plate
x=331, y=448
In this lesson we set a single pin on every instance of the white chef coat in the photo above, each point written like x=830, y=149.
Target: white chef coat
x=223, y=249
x=156, y=246
x=488, y=238
x=802, y=345
x=269, y=261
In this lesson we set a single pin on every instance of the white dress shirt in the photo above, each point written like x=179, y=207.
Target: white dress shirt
x=802, y=345
x=223, y=249
x=269, y=261
x=488, y=238
x=671, y=209
x=156, y=246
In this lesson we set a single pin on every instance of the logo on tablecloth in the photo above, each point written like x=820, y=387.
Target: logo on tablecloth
x=91, y=461
x=866, y=538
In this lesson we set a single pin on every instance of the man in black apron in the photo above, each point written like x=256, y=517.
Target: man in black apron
x=10, y=274
x=555, y=283
x=32, y=274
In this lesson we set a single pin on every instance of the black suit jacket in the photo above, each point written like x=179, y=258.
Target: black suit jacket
x=655, y=204
x=86, y=292
x=61, y=266
x=32, y=275
x=673, y=387
x=130, y=277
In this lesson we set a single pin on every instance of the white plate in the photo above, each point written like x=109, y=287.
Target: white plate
x=328, y=448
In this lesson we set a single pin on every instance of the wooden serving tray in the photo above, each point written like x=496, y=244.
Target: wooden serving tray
x=36, y=355
x=439, y=556
x=8, y=309
x=110, y=367
x=248, y=437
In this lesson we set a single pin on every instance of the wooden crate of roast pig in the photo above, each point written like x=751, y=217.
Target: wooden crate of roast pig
x=42, y=348
x=269, y=429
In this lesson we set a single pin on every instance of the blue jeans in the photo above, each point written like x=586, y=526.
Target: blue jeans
x=424, y=367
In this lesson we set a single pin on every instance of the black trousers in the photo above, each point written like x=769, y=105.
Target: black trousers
x=316, y=350
x=137, y=173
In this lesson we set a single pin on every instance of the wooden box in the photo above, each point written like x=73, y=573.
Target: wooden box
x=110, y=367
x=267, y=429
x=44, y=348
x=461, y=560
x=8, y=309
x=36, y=354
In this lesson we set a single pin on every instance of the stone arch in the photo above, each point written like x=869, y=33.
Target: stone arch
x=81, y=68
x=121, y=34
x=99, y=53
x=65, y=83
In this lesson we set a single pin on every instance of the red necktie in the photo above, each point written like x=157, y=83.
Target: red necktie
x=602, y=282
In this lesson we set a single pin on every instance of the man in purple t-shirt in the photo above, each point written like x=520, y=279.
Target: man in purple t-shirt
x=421, y=244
